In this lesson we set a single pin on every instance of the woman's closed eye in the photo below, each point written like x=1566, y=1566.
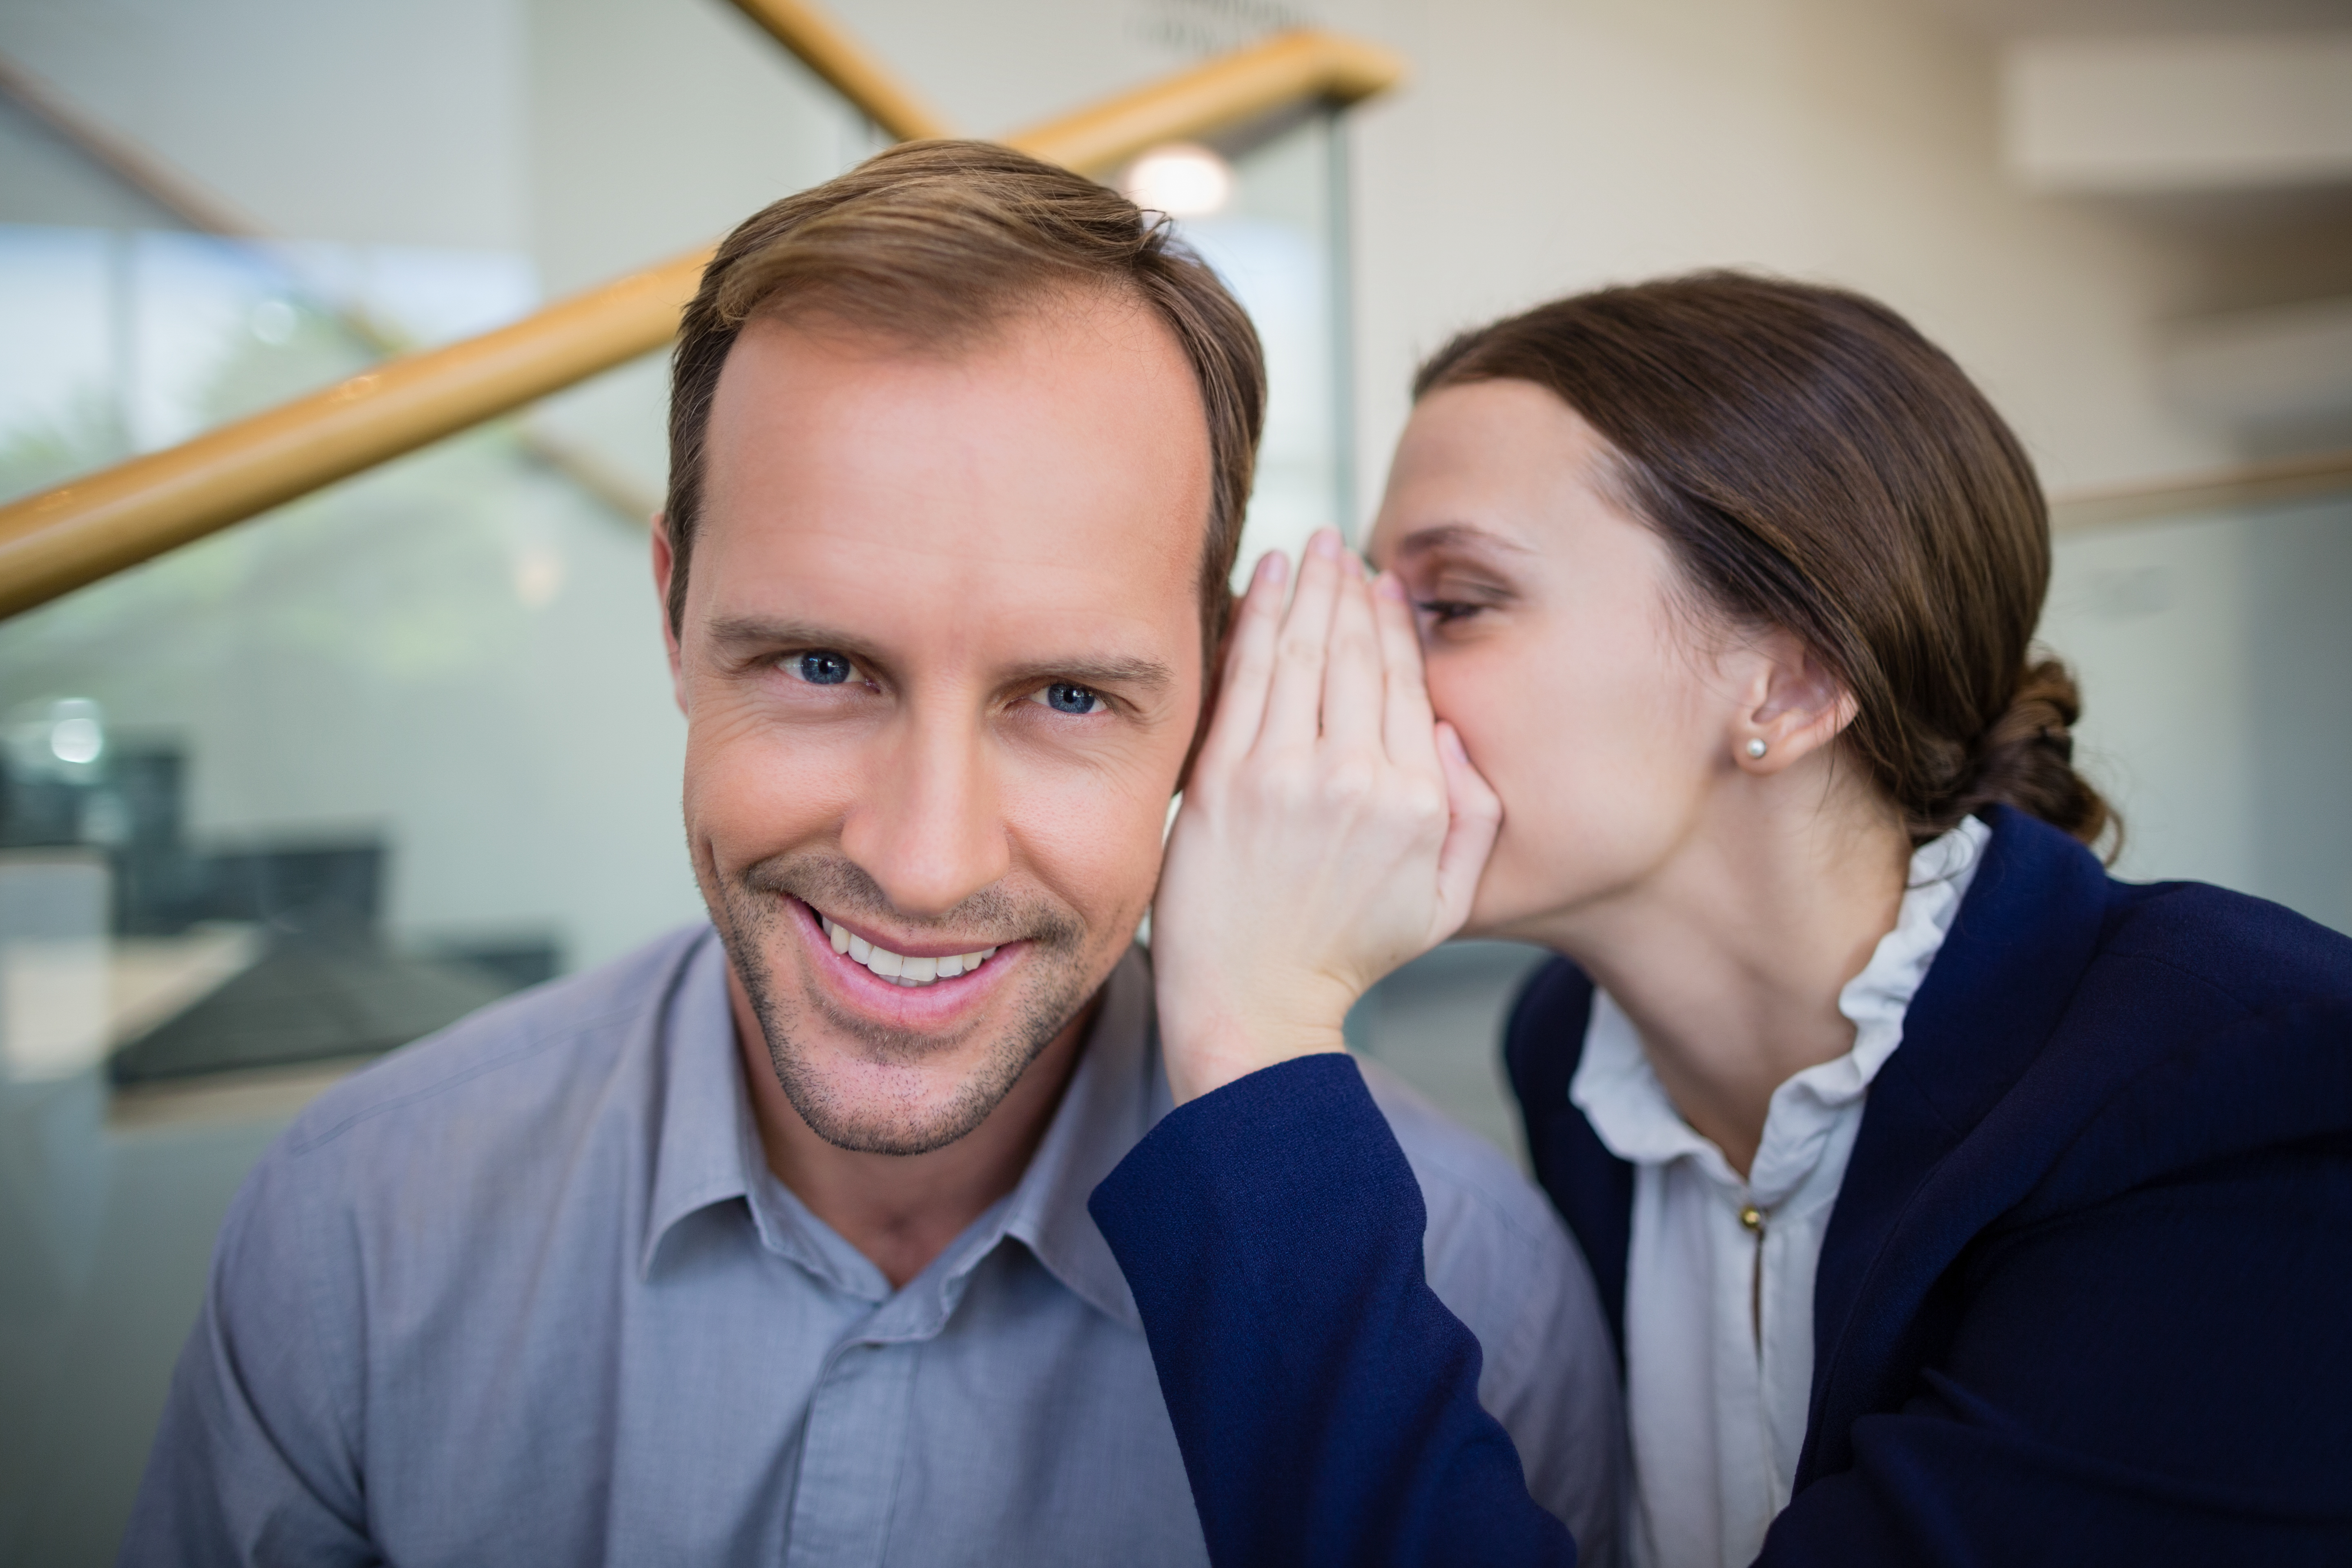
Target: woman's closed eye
x=1069, y=697
x=1446, y=612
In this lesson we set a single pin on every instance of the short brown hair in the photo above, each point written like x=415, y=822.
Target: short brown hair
x=1816, y=464
x=935, y=243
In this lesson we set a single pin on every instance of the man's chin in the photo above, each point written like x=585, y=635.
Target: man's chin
x=871, y=1107
x=880, y=1068
x=881, y=1090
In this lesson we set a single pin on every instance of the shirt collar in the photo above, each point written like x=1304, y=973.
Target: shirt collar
x=708, y=1150
x=1118, y=1093
x=1629, y=1108
x=698, y=1156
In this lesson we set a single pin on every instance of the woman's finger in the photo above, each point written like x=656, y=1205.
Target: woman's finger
x=1474, y=815
x=1406, y=731
x=1296, y=702
x=1353, y=680
x=1249, y=666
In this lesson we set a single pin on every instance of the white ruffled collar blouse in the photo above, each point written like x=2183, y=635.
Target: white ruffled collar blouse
x=1719, y=1277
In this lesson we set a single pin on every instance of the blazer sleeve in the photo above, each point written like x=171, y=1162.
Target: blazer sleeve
x=1325, y=1400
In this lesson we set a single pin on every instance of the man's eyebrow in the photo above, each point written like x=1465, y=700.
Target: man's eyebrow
x=1147, y=674
x=1456, y=536
x=736, y=632
x=740, y=631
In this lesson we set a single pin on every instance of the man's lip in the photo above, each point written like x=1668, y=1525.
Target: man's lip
x=942, y=1006
x=903, y=947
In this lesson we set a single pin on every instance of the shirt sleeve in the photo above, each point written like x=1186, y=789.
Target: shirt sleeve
x=1551, y=1379
x=1500, y=1257
x=256, y=1460
x=1325, y=1400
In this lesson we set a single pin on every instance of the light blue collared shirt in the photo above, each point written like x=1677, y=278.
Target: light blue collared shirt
x=526, y=1292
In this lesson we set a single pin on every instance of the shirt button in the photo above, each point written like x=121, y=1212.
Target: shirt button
x=1753, y=1218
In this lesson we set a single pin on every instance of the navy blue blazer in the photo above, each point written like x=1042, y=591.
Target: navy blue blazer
x=2085, y=1296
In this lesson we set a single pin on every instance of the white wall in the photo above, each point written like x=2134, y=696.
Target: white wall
x=351, y=120
x=1548, y=147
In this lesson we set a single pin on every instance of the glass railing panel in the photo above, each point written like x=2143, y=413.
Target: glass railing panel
x=421, y=714
x=1278, y=240
x=290, y=796
x=2215, y=657
x=127, y=341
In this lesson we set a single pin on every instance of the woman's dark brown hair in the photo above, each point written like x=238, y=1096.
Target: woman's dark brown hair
x=1816, y=464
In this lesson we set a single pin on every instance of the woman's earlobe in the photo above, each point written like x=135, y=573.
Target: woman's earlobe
x=1799, y=706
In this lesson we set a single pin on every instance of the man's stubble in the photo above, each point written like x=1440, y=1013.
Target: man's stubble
x=1057, y=985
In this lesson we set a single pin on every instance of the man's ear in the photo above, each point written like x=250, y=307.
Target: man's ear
x=1792, y=703
x=1212, y=681
x=663, y=562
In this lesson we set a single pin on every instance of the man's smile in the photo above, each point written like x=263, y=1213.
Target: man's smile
x=921, y=965
x=924, y=986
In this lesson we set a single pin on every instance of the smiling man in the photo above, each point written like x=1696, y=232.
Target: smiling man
x=769, y=1242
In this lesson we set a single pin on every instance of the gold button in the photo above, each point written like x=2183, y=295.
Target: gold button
x=1753, y=1218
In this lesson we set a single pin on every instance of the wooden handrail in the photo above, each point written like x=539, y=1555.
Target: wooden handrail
x=206, y=213
x=2245, y=484
x=92, y=527
x=1292, y=67
x=826, y=48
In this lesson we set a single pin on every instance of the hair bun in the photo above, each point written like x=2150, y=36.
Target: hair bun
x=2027, y=759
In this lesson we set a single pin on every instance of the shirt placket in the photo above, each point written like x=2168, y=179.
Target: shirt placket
x=851, y=1454
x=1757, y=1220
x=854, y=1447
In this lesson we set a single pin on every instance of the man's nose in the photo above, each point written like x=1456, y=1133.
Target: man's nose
x=929, y=826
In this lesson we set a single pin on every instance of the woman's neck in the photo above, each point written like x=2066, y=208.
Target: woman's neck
x=1730, y=956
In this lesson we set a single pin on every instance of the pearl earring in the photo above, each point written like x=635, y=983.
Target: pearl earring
x=1756, y=748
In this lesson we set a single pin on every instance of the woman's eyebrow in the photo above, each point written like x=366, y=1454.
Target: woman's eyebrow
x=1465, y=536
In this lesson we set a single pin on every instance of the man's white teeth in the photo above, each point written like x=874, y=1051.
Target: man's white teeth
x=893, y=966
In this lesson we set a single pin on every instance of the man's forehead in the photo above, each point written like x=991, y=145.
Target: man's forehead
x=907, y=577
x=1063, y=479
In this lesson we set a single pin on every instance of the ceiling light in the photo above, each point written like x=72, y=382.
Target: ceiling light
x=1181, y=179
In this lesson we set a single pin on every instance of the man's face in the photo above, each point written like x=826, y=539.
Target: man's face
x=941, y=662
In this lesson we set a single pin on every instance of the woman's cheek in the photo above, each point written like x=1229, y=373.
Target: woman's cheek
x=1505, y=727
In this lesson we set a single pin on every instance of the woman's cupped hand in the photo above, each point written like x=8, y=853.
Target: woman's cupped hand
x=1332, y=828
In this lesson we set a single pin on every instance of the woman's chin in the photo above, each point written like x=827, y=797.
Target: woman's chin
x=1500, y=918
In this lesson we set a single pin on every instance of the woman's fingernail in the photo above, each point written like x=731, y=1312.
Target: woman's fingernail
x=1326, y=543
x=1270, y=567
x=1387, y=587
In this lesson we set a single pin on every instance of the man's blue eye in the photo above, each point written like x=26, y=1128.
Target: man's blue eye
x=1064, y=697
x=823, y=668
